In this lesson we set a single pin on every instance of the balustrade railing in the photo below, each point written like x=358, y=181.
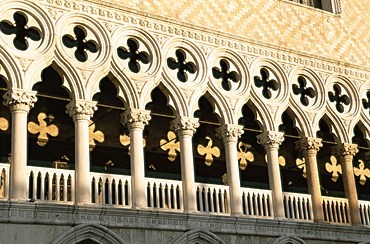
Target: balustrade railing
x=57, y=185
x=111, y=189
x=164, y=194
x=213, y=198
x=257, y=203
x=336, y=210
x=4, y=180
x=298, y=206
x=50, y=184
x=365, y=212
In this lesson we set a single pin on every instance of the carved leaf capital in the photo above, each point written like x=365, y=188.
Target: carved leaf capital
x=345, y=149
x=184, y=125
x=80, y=109
x=270, y=139
x=17, y=99
x=229, y=133
x=308, y=143
x=135, y=118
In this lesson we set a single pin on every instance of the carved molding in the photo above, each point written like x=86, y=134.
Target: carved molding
x=80, y=109
x=135, y=118
x=270, y=139
x=229, y=133
x=308, y=143
x=184, y=126
x=18, y=99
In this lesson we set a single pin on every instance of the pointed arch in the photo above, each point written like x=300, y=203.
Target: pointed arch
x=288, y=240
x=94, y=232
x=9, y=70
x=198, y=236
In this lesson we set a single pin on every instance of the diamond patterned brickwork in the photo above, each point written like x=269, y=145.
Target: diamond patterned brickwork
x=345, y=37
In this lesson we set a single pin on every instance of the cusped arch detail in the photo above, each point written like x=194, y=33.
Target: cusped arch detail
x=93, y=232
x=288, y=240
x=198, y=236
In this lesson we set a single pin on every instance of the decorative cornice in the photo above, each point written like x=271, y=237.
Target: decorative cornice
x=18, y=99
x=229, y=133
x=270, y=139
x=184, y=125
x=308, y=143
x=80, y=109
x=135, y=118
x=345, y=149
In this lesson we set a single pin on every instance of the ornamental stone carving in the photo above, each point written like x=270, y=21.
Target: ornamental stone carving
x=229, y=133
x=80, y=109
x=345, y=149
x=17, y=99
x=135, y=118
x=270, y=139
x=184, y=126
x=308, y=143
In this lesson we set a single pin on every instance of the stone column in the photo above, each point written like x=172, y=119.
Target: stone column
x=309, y=148
x=136, y=119
x=185, y=127
x=229, y=135
x=81, y=112
x=19, y=102
x=345, y=153
x=271, y=141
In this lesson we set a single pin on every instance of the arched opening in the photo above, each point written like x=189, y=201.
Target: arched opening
x=209, y=152
x=251, y=155
x=293, y=169
x=109, y=139
x=162, y=145
x=329, y=167
x=361, y=163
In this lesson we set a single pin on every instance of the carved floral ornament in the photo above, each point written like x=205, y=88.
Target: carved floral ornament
x=18, y=99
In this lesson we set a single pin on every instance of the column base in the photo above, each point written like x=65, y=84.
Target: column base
x=84, y=204
x=281, y=218
x=140, y=207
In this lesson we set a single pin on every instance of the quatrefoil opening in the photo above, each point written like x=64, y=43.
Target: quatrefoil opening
x=266, y=83
x=303, y=91
x=225, y=75
x=134, y=55
x=80, y=43
x=338, y=98
x=366, y=102
x=21, y=31
x=181, y=64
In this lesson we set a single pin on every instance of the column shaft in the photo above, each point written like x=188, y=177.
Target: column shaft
x=345, y=153
x=309, y=148
x=230, y=135
x=19, y=102
x=185, y=128
x=271, y=141
x=81, y=112
x=135, y=120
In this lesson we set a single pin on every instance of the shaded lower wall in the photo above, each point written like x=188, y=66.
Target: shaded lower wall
x=57, y=224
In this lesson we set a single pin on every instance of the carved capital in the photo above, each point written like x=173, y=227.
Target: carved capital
x=80, y=109
x=135, y=118
x=345, y=149
x=270, y=139
x=308, y=143
x=184, y=126
x=229, y=133
x=17, y=99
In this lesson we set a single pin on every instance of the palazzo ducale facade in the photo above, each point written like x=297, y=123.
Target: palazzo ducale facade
x=121, y=125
